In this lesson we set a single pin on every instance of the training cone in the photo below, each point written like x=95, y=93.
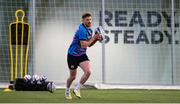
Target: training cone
x=7, y=90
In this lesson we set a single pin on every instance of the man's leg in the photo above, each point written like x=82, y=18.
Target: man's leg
x=72, y=76
x=86, y=67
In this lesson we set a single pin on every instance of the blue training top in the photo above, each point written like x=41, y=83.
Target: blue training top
x=82, y=33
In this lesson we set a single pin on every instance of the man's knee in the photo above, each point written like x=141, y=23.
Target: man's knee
x=73, y=77
x=88, y=72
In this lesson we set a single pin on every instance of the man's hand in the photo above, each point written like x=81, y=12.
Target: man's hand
x=97, y=36
x=99, y=31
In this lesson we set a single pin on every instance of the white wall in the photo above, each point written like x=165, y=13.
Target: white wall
x=125, y=63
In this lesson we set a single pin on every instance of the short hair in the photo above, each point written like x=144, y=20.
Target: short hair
x=86, y=15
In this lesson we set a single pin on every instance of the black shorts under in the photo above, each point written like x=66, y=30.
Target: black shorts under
x=74, y=61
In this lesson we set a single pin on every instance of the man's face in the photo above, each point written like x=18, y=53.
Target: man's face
x=87, y=21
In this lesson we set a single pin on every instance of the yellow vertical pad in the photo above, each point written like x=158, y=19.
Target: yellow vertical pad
x=19, y=32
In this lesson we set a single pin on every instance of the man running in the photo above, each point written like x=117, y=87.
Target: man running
x=77, y=54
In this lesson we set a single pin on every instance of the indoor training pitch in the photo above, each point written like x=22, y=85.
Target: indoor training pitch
x=93, y=96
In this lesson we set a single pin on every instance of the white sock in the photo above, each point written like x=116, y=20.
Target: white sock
x=67, y=91
x=78, y=86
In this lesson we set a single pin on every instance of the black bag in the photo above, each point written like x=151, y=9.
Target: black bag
x=21, y=84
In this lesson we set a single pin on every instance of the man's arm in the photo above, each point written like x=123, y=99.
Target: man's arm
x=88, y=43
x=91, y=42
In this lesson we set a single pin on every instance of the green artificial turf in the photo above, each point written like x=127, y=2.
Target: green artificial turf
x=93, y=96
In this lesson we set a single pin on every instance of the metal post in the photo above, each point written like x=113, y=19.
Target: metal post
x=103, y=46
x=173, y=43
x=33, y=33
